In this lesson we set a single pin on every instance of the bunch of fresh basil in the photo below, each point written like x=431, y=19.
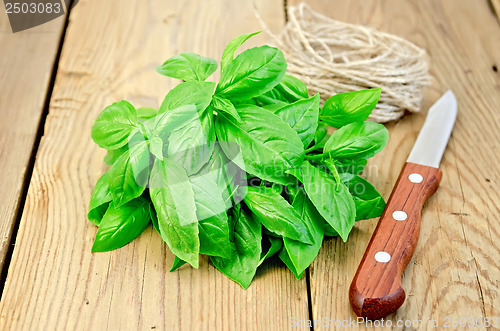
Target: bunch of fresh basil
x=240, y=170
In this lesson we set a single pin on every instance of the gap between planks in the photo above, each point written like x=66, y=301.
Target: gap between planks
x=31, y=163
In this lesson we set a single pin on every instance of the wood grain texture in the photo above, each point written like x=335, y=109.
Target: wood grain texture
x=26, y=63
x=455, y=271
x=376, y=290
x=54, y=281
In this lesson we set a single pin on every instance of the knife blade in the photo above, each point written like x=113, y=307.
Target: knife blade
x=376, y=289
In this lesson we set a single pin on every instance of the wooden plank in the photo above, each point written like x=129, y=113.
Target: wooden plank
x=26, y=62
x=110, y=52
x=454, y=272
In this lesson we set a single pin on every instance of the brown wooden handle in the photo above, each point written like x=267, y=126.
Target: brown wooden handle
x=376, y=289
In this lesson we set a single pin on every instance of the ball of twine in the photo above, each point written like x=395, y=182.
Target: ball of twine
x=332, y=57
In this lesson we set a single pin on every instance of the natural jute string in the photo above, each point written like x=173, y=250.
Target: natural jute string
x=333, y=57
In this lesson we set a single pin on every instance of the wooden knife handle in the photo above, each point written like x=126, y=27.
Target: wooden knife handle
x=376, y=289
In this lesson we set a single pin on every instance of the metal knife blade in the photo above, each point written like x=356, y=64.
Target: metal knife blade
x=435, y=133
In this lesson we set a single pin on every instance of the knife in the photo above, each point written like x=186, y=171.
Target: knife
x=376, y=289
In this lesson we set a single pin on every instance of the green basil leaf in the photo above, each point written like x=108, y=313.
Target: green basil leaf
x=194, y=93
x=289, y=90
x=226, y=176
x=114, y=125
x=369, y=203
x=276, y=214
x=320, y=134
x=272, y=107
x=252, y=73
x=332, y=200
x=121, y=225
x=302, y=116
x=355, y=141
x=344, y=108
x=292, y=89
x=299, y=253
x=275, y=245
x=145, y=113
x=271, y=97
x=292, y=190
x=351, y=167
x=268, y=145
x=329, y=231
x=154, y=218
x=224, y=106
x=99, y=201
x=189, y=145
x=173, y=198
x=214, y=236
x=220, y=170
x=188, y=66
x=232, y=47
x=211, y=213
x=177, y=263
x=283, y=255
x=165, y=123
x=114, y=154
x=332, y=167
x=156, y=147
x=246, y=250
x=128, y=176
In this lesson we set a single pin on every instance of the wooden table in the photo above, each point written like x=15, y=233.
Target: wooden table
x=54, y=79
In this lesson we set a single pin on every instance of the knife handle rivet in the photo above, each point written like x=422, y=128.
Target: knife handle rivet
x=383, y=257
x=399, y=215
x=416, y=178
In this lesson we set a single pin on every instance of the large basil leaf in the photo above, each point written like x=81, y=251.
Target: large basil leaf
x=121, y=225
x=332, y=199
x=232, y=47
x=99, y=201
x=189, y=145
x=355, y=141
x=276, y=214
x=114, y=125
x=252, y=73
x=299, y=253
x=194, y=93
x=173, y=198
x=246, y=250
x=188, y=66
x=369, y=203
x=268, y=145
x=302, y=116
x=344, y=108
x=128, y=176
x=211, y=213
